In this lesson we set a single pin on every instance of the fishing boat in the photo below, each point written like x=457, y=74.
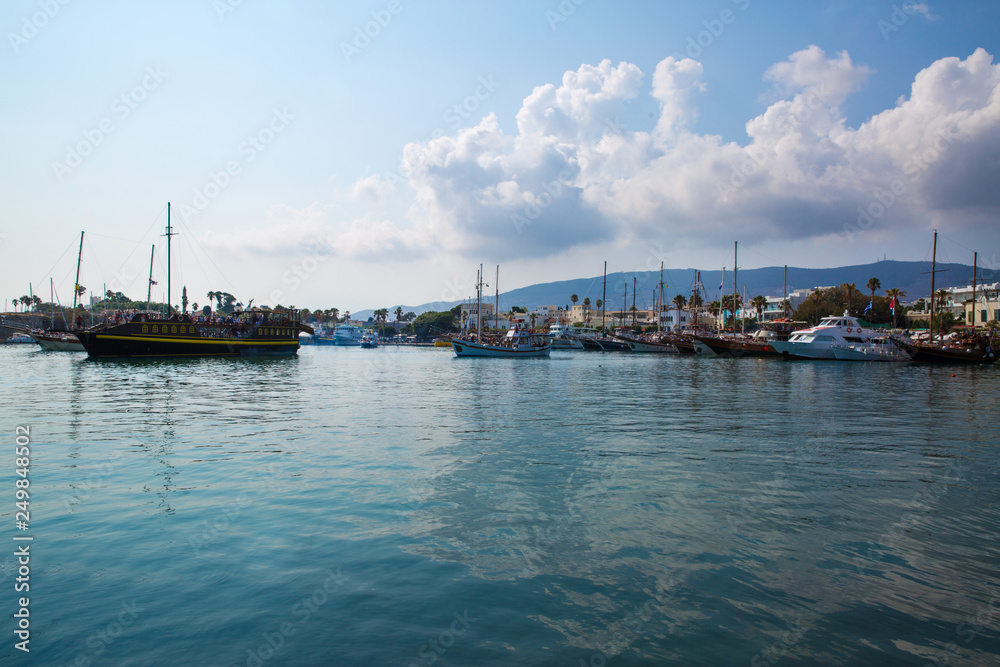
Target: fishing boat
x=369, y=340
x=757, y=344
x=57, y=341
x=52, y=339
x=517, y=342
x=817, y=342
x=646, y=344
x=256, y=332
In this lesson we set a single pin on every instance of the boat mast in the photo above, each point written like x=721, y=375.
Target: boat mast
x=76, y=284
x=479, y=302
x=624, y=303
x=496, y=307
x=975, y=257
x=933, y=269
x=736, y=289
x=659, y=307
x=694, y=295
x=604, y=294
x=633, y=302
x=52, y=305
x=784, y=298
x=170, y=232
x=149, y=288
x=722, y=303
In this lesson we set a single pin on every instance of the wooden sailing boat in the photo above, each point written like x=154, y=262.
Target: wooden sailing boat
x=968, y=349
x=516, y=343
x=60, y=341
x=248, y=333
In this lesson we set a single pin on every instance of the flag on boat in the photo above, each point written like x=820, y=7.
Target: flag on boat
x=868, y=307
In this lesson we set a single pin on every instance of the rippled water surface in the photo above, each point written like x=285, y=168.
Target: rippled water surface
x=401, y=506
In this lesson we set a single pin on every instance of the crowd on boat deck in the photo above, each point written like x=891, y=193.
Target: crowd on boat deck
x=240, y=322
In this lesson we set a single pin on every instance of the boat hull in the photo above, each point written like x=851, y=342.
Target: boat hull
x=868, y=354
x=58, y=343
x=933, y=354
x=182, y=338
x=724, y=347
x=647, y=347
x=99, y=345
x=464, y=348
x=790, y=350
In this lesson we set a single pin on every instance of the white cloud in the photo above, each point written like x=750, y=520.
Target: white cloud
x=572, y=176
x=292, y=233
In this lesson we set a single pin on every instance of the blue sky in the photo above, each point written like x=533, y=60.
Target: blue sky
x=310, y=163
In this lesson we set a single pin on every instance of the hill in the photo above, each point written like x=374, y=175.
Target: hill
x=912, y=277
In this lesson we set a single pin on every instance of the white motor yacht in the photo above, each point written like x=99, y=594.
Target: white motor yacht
x=818, y=342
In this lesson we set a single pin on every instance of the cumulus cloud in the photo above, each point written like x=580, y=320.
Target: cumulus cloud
x=293, y=233
x=571, y=175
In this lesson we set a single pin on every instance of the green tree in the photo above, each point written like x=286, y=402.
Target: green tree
x=759, y=303
x=897, y=294
x=432, y=322
x=873, y=284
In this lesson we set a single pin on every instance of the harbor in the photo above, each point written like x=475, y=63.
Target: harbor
x=651, y=509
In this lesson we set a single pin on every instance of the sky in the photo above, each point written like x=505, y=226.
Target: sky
x=366, y=154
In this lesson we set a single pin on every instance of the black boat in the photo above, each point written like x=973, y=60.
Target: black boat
x=256, y=332
x=250, y=333
x=974, y=349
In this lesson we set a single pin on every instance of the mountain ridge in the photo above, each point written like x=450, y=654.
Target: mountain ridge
x=913, y=278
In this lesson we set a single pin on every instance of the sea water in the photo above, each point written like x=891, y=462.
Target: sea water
x=400, y=506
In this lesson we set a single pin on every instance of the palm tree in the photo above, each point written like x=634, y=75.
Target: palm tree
x=680, y=301
x=586, y=308
x=399, y=314
x=599, y=304
x=873, y=284
x=211, y=297
x=347, y=316
x=335, y=315
x=574, y=298
x=849, y=290
x=759, y=302
x=897, y=294
x=941, y=294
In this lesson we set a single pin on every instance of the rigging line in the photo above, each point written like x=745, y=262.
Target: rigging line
x=113, y=238
x=137, y=243
x=770, y=259
x=951, y=240
x=222, y=274
x=52, y=268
